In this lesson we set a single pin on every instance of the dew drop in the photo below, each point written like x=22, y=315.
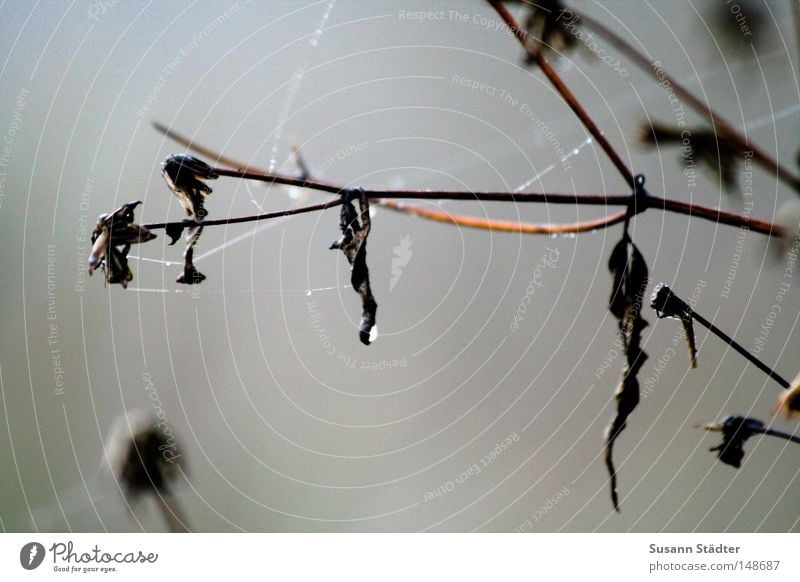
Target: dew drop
x=308, y=293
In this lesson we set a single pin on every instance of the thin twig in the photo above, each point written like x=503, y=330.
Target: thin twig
x=739, y=348
x=667, y=304
x=781, y=434
x=435, y=215
x=509, y=226
x=642, y=203
x=240, y=219
x=719, y=124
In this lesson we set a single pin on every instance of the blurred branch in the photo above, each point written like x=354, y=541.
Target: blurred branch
x=566, y=94
x=720, y=125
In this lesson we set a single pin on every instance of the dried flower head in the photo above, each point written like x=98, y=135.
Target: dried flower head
x=735, y=432
x=789, y=401
x=146, y=460
x=183, y=174
x=113, y=231
x=144, y=457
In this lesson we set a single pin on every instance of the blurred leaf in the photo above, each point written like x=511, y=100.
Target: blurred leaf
x=715, y=150
x=548, y=29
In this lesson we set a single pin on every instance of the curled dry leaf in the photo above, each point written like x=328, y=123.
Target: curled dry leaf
x=190, y=275
x=184, y=174
x=716, y=150
x=667, y=304
x=353, y=243
x=111, y=241
x=735, y=432
x=630, y=276
x=547, y=27
x=789, y=401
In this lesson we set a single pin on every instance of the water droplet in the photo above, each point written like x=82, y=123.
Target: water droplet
x=373, y=333
x=575, y=152
x=308, y=293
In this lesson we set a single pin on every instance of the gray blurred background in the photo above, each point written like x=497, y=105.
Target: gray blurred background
x=287, y=422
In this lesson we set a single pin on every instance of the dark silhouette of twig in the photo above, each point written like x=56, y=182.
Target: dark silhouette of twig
x=642, y=203
x=667, y=304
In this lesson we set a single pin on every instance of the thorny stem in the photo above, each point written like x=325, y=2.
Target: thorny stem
x=566, y=94
x=668, y=304
x=658, y=73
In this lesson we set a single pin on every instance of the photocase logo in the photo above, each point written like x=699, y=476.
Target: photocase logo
x=402, y=255
x=31, y=555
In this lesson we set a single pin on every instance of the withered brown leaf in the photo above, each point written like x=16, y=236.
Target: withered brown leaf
x=184, y=174
x=111, y=241
x=630, y=277
x=353, y=243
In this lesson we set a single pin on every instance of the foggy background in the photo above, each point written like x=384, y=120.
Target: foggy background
x=287, y=422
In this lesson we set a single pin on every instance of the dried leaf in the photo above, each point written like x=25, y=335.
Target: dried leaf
x=735, y=432
x=627, y=397
x=111, y=232
x=183, y=174
x=174, y=231
x=630, y=277
x=353, y=243
x=691, y=344
x=190, y=275
x=617, y=263
x=789, y=401
x=667, y=304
